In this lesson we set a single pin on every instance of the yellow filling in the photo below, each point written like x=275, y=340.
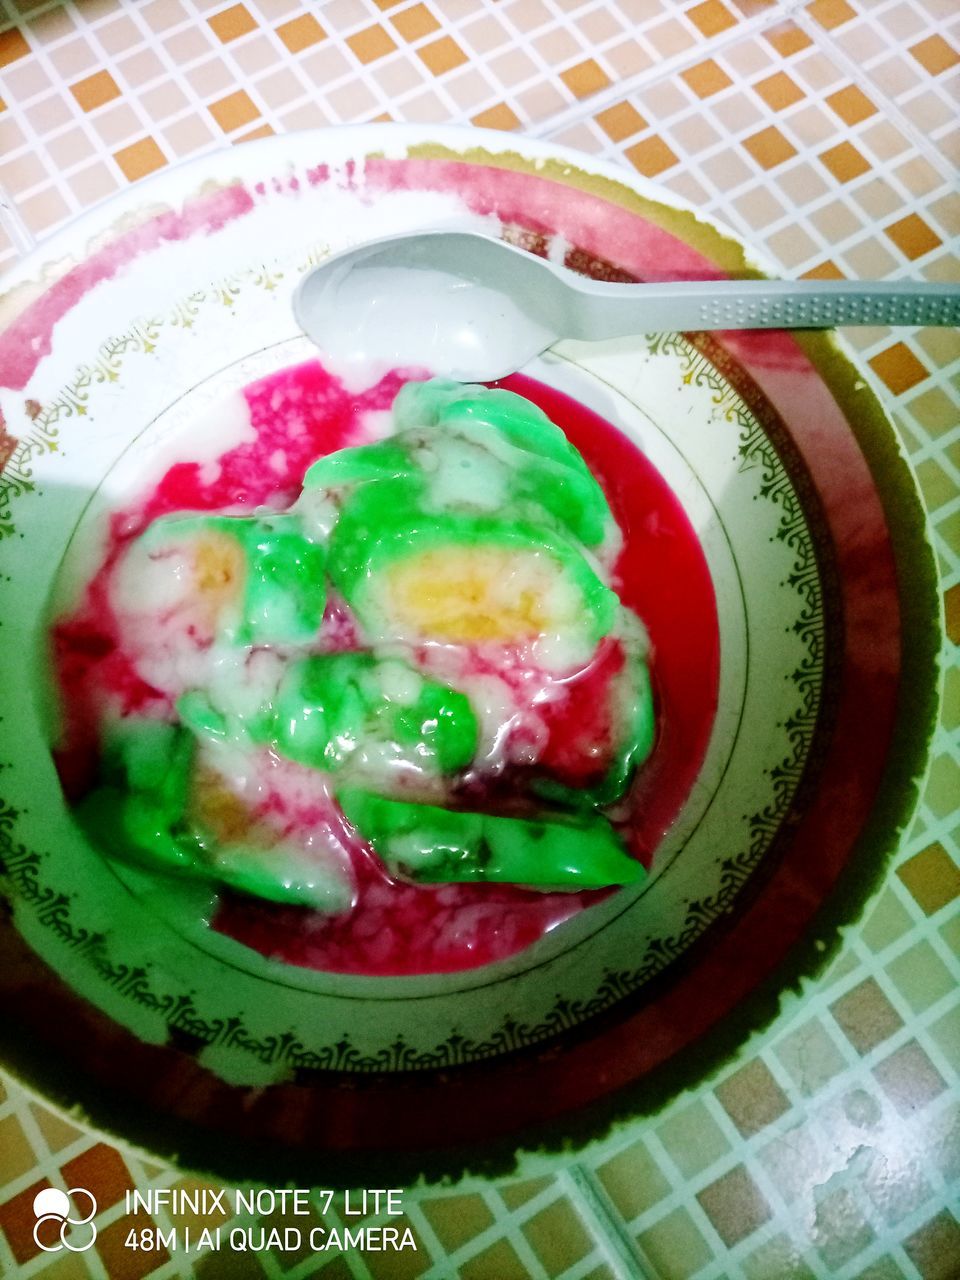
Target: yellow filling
x=471, y=594
x=223, y=815
x=218, y=570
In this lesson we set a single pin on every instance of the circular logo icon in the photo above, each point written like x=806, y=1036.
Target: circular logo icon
x=65, y=1209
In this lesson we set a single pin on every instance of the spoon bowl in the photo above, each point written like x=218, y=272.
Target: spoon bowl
x=469, y=307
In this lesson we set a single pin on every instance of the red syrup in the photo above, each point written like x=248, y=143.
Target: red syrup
x=299, y=414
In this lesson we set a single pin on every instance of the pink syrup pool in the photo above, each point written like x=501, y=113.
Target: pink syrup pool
x=299, y=414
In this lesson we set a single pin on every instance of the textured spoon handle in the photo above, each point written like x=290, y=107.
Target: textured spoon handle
x=781, y=305
x=770, y=304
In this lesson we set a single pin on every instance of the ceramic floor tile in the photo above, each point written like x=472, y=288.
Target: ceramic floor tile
x=456, y=1220
x=751, y=1097
x=692, y=1139
x=674, y=1247
x=633, y=1180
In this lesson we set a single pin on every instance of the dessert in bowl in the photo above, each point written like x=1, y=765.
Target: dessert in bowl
x=417, y=673
x=417, y=763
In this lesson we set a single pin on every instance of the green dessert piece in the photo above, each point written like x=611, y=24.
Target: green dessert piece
x=443, y=403
x=413, y=574
x=146, y=769
x=160, y=806
x=638, y=724
x=631, y=694
x=332, y=708
x=264, y=579
x=471, y=537
x=286, y=586
x=473, y=522
x=431, y=845
x=356, y=465
x=546, y=476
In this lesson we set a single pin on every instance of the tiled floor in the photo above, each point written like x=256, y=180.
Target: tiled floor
x=828, y=135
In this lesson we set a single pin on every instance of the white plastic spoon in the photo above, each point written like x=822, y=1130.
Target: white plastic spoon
x=475, y=309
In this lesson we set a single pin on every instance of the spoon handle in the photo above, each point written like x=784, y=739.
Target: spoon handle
x=762, y=304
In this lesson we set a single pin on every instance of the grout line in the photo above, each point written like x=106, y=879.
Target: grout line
x=23, y=239
x=621, y=1250
x=508, y=1225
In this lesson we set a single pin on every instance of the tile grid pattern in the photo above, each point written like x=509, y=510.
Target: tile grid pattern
x=825, y=132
